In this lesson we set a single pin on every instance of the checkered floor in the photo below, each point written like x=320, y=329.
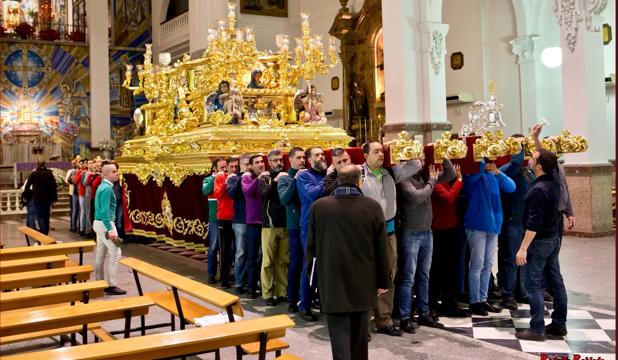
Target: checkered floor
x=591, y=334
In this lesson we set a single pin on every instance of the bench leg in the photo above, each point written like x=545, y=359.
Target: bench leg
x=142, y=320
x=173, y=322
x=263, y=339
x=127, y=324
x=73, y=339
x=277, y=353
x=85, y=334
x=217, y=355
x=239, y=352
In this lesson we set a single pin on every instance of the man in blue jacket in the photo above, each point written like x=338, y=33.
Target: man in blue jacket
x=288, y=194
x=512, y=232
x=310, y=188
x=482, y=221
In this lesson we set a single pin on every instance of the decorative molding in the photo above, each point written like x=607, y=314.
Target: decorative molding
x=523, y=48
x=570, y=13
x=434, y=35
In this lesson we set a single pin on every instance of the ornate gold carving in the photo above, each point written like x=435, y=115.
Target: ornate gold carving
x=492, y=146
x=567, y=144
x=445, y=148
x=404, y=148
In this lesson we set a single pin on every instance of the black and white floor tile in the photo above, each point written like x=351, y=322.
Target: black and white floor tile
x=591, y=334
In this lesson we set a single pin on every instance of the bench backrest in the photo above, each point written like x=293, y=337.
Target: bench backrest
x=29, y=320
x=45, y=277
x=32, y=264
x=209, y=294
x=24, y=252
x=51, y=295
x=37, y=236
x=172, y=344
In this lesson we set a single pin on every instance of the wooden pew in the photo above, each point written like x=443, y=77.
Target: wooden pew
x=25, y=252
x=176, y=343
x=23, y=299
x=25, y=321
x=40, y=263
x=45, y=277
x=37, y=236
x=186, y=309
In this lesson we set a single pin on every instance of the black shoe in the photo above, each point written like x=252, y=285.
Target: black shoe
x=406, y=326
x=428, y=321
x=454, y=312
x=309, y=316
x=241, y=290
x=225, y=285
x=211, y=279
x=492, y=308
x=252, y=294
x=478, y=309
x=528, y=334
x=315, y=304
x=389, y=330
x=82, y=233
x=282, y=299
x=493, y=295
x=114, y=290
x=547, y=296
x=292, y=308
x=509, y=304
x=271, y=301
x=555, y=330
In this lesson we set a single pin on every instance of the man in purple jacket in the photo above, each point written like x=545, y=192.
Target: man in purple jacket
x=253, y=217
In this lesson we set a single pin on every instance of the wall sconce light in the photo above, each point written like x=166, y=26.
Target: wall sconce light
x=551, y=57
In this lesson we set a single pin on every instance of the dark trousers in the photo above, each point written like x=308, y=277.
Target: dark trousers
x=296, y=265
x=511, y=278
x=226, y=240
x=39, y=211
x=443, y=279
x=213, y=247
x=542, y=260
x=348, y=335
x=254, y=243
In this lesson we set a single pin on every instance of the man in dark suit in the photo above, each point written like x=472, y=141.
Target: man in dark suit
x=42, y=185
x=347, y=235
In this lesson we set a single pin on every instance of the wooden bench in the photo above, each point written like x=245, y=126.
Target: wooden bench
x=45, y=277
x=40, y=263
x=175, y=344
x=37, y=236
x=187, y=310
x=23, y=299
x=56, y=317
x=25, y=252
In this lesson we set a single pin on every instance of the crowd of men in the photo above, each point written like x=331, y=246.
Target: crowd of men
x=437, y=237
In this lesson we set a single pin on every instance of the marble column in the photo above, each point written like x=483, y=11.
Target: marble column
x=201, y=15
x=589, y=173
x=414, y=51
x=100, y=120
x=523, y=49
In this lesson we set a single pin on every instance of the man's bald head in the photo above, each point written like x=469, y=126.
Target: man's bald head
x=348, y=175
x=110, y=172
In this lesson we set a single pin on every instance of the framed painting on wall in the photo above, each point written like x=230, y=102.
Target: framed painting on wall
x=457, y=60
x=264, y=7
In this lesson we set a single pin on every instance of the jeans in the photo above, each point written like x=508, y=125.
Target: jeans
x=296, y=265
x=31, y=217
x=84, y=213
x=542, y=259
x=508, y=271
x=226, y=239
x=213, y=246
x=74, y=211
x=307, y=288
x=415, y=251
x=39, y=211
x=103, y=247
x=240, y=269
x=254, y=235
x=483, y=246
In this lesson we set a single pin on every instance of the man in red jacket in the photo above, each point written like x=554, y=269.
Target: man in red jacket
x=446, y=235
x=225, y=215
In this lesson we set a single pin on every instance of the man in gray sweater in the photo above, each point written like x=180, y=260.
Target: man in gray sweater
x=415, y=243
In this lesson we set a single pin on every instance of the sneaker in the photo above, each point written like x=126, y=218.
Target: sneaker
x=528, y=334
x=428, y=321
x=491, y=308
x=478, y=309
x=406, y=326
x=271, y=301
x=292, y=308
x=509, y=304
x=114, y=290
x=389, y=330
x=315, y=304
x=555, y=330
x=308, y=315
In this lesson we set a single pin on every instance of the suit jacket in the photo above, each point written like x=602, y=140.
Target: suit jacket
x=347, y=235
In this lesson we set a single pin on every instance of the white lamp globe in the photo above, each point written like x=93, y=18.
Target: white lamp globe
x=551, y=57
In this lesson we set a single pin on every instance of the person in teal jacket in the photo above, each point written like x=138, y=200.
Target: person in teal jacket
x=105, y=228
x=482, y=221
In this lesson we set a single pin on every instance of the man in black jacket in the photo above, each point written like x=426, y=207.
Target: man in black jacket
x=352, y=269
x=540, y=247
x=44, y=192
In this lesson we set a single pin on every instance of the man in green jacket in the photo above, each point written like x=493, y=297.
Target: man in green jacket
x=105, y=229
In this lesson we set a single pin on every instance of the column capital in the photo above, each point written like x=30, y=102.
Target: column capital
x=570, y=13
x=523, y=48
x=433, y=36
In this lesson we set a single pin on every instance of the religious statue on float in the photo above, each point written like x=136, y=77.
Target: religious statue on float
x=311, y=111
